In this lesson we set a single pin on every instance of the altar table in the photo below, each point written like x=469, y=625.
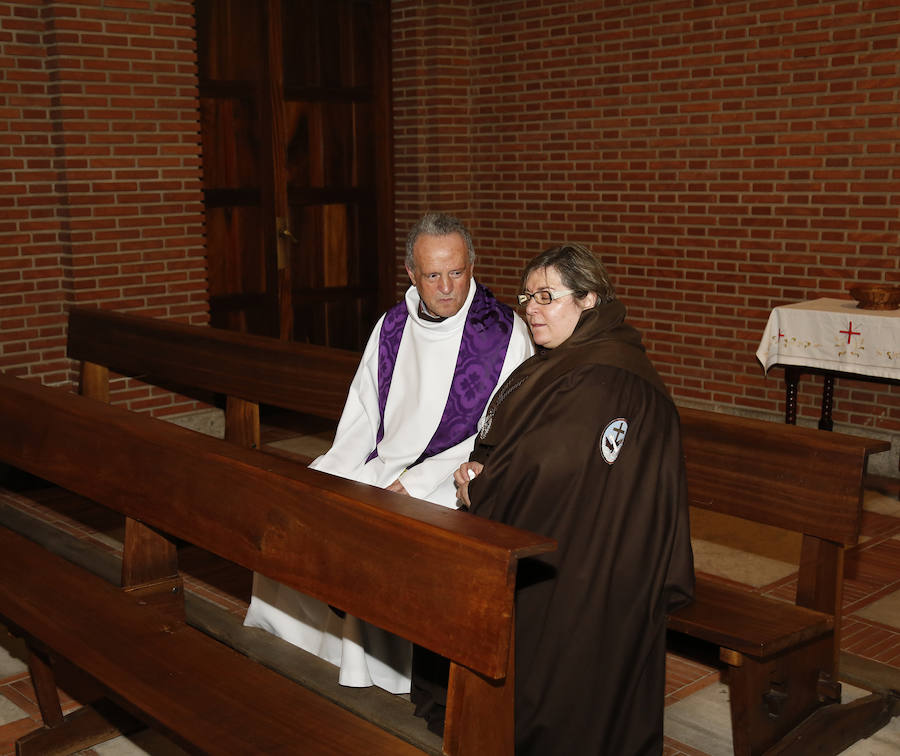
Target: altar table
x=830, y=337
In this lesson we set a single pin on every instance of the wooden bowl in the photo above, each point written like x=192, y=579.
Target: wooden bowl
x=876, y=296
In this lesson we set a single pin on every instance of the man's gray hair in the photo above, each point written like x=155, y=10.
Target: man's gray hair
x=437, y=224
x=579, y=269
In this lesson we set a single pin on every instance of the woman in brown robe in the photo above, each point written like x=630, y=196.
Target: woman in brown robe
x=582, y=443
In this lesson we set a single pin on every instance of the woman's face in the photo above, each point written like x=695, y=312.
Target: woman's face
x=553, y=323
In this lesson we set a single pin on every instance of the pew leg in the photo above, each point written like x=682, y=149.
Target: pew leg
x=480, y=716
x=832, y=729
x=44, y=682
x=150, y=569
x=95, y=381
x=771, y=697
x=81, y=729
x=242, y=422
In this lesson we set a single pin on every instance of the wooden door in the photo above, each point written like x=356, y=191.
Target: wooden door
x=295, y=121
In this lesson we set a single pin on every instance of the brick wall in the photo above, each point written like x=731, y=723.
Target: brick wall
x=723, y=157
x=100, y=175
x=432, y=78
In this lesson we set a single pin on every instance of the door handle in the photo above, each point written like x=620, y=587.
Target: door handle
x=285, y=233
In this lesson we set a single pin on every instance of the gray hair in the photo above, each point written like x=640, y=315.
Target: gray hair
x=437, y=224
x=578, y=268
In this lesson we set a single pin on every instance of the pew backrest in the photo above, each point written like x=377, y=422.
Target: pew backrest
x=804, y=480
x=304, y=378
x=796, y=478
x=438, y=577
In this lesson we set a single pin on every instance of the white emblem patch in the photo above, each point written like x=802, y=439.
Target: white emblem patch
x=613, y=438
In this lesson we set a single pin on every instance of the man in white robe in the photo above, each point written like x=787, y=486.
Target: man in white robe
x=414, y=407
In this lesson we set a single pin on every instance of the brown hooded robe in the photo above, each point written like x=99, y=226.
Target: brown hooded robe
x=591, y=617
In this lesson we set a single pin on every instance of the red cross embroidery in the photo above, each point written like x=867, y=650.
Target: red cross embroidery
x=780, y=335
x=850, y=332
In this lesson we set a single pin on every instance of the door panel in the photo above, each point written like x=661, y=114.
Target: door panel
x=296, y=156
x=229, y=141
x=229, y=36
x=333, y=298
x=329, y=43
x=331, y=170
x=229, y=33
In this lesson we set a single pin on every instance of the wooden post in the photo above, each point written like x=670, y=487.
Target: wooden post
x=150, y=569
x=820, y=585
x=95, y=381
x=242, y=422
x=480, y=715
x=44, y=682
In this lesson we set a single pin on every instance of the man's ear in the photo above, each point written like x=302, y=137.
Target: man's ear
x=412, y=278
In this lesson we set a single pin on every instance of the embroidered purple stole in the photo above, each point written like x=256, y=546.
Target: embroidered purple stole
x=482, y=350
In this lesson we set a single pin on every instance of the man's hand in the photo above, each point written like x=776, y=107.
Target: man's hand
x=397, y=487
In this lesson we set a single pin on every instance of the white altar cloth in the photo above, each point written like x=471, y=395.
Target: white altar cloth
x=833, y=334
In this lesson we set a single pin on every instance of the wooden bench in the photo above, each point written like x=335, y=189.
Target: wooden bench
x=782, y=658
x=248, y=370
x=441, y=578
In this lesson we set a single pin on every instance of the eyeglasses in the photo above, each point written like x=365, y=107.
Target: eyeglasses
x=542, y=297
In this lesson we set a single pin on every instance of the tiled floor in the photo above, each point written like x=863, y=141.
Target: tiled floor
x=697, y=718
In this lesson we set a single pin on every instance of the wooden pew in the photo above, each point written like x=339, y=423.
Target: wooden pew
x=248, y=370
x=441, y=578
x=782, y=658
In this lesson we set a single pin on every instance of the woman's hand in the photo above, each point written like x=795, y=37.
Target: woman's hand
x=466, y=472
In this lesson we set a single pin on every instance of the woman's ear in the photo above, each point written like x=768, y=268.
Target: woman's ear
x=589, y=301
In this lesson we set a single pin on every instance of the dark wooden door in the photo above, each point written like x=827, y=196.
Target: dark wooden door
x=295, y=121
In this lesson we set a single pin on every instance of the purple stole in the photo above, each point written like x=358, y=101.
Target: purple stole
x=482, y=351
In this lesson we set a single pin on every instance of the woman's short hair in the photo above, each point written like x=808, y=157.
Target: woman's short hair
x=437, y=224
x=578, y=268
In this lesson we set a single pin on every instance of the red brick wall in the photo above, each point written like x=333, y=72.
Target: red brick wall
x=723, y=157
x=100, y=175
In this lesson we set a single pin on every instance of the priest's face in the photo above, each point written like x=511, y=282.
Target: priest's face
x=551, y=324
x=442, y=273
